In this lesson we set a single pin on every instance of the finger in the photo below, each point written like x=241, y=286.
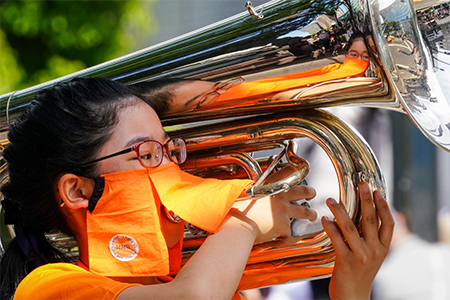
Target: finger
x=285, y=172
x=335, y=235
x=299, y=192
x=302, y=212
x=387, y=221
x=370, y=220
x=345, y=224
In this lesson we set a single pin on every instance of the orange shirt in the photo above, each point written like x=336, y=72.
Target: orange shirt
x=67, y=281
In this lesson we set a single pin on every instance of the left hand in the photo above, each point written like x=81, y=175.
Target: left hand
x=358, y=257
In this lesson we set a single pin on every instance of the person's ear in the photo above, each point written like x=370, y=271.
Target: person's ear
x=75, y=190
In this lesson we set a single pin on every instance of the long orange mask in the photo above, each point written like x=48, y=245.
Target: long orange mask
x=124, y=230
x=268, y=87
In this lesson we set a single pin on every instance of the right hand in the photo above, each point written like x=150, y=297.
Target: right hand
x=269, y=216
x=359, y=253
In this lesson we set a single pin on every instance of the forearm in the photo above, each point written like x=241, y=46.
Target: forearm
x=220, y=261
x=213, y=272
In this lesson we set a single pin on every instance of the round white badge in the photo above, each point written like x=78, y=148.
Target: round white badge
x=123, y=247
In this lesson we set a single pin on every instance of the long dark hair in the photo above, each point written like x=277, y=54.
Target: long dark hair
x=63, y=128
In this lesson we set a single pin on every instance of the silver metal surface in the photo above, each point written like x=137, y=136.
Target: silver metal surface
x=350, y=154
x=403, y=72
x=412, y=71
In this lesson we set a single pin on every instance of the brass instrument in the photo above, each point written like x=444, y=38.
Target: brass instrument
x=223, y=136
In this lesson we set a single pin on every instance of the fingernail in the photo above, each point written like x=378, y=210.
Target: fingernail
x=379, y=195
x=364, y=186
x=325, y=218
x=331, y=201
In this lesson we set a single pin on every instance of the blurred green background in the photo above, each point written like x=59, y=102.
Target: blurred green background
x=43, y=40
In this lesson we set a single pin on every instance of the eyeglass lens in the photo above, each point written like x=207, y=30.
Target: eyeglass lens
x=220, y=89
x=354, y=54
x=177, y=150
x=208, y=98
x=151, y=153
x=229, y=84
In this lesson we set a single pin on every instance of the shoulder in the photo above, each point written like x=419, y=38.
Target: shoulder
x=67, y=281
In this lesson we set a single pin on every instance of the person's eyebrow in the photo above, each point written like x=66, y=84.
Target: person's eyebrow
x=195, y=97
x=191, y=100
x=137, y=140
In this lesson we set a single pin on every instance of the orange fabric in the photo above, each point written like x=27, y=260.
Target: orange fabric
x=281, y=274
x=67, y=281
x=203, y=202
x=175, y=254
x=270, y=86
x=124, y=230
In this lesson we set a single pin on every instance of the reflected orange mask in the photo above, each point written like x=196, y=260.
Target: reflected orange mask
x=356, y=61
x=123, y=220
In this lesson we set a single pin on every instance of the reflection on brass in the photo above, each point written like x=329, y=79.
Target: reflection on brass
x=220, y=143
x=247, y=85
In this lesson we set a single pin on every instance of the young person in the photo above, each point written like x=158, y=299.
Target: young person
x=91, y=159
x=174, y=95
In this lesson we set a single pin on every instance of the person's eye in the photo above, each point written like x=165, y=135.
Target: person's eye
x=208, y=98
x=224, y=86
x=146, y=156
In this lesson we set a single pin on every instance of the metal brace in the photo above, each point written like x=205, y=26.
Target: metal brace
x=252, y=10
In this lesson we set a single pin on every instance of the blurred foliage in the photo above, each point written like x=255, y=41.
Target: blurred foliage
x=43, y=40
x=392, y=26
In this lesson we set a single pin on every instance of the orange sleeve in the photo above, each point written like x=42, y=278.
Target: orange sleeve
x=67, y=281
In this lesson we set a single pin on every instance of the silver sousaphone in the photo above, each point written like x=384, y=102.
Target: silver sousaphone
x=281, y=38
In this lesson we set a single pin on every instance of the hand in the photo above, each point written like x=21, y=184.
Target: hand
x=358, y=257
x=269, y=216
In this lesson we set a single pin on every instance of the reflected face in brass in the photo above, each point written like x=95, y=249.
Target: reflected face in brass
x=359, y=49
x=186, y=95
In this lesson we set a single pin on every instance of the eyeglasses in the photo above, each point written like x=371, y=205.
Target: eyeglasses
x=151, y=153
x=221, y=88
x=354, y=54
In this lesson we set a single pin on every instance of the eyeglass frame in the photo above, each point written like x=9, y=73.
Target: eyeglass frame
x=218, y=88
x=359, y=56
x=135, y=148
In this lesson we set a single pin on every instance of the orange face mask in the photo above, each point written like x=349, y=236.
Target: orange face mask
x=123, y=223
x=199, y=201
x=356, y=62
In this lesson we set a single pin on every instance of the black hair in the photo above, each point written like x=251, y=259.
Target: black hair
x=354, y=37
x=63, y=128
x=158, y=93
